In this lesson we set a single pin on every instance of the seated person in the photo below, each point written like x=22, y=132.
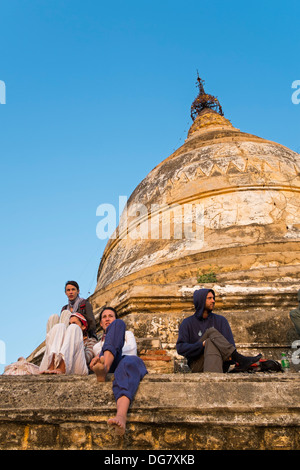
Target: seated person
x=75, y=304
x=69, y=349
x=206, y=339
x=128, y=370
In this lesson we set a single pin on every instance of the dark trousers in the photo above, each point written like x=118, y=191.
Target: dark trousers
x=128, y=370
x=216, y=354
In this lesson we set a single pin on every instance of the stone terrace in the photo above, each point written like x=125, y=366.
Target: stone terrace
x=171, y=411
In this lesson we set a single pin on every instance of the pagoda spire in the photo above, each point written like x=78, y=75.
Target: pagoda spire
x=204, y=101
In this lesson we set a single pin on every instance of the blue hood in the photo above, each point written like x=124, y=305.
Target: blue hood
x=199, y=301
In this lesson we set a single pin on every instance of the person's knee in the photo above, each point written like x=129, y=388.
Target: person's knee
x=210, y=347
x=58, y=327
x=116, y=325
x=74, y=330
x=211, y=331
x=208, y=344
x=120, y=324
x=54, y=318
x=74, y=327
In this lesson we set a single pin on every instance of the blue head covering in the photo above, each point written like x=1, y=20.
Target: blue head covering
x=200, y=299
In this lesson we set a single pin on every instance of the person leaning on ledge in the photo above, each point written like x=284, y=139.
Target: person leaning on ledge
x=205, y=338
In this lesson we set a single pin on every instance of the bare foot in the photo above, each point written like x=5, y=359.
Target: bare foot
x=47, y=371
x=52, y=371
x=61, y=369
x=118, y=424
x=100, y=371
x=57, y=371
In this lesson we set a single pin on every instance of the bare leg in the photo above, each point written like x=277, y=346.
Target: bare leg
x=118, y=423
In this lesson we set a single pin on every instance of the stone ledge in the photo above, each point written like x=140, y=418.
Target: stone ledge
x=170, y=411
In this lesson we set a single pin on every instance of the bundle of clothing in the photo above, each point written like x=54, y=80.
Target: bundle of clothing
x=21, y=367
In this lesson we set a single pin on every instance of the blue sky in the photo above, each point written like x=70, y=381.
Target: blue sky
x=97, y=94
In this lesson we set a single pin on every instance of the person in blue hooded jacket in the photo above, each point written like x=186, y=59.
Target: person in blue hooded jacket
x=206, y=340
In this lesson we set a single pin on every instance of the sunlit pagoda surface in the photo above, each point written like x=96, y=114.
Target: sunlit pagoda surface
x=223, y=211
x=237, y=198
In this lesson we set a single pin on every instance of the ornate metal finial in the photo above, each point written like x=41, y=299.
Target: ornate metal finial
x=204, y=101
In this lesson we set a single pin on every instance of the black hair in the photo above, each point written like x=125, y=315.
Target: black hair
x=108, y=308
x=73, y=283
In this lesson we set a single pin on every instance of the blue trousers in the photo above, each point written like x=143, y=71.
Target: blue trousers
x=128, y=370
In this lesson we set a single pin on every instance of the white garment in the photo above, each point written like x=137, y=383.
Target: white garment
x=64, y=317
x=129, y=348
x=65, y=343
x=21, y=367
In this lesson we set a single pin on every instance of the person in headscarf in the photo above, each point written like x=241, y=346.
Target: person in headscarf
x=69, y=349
x=206, y=340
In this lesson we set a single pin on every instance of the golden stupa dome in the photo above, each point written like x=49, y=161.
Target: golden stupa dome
x=225, y=198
